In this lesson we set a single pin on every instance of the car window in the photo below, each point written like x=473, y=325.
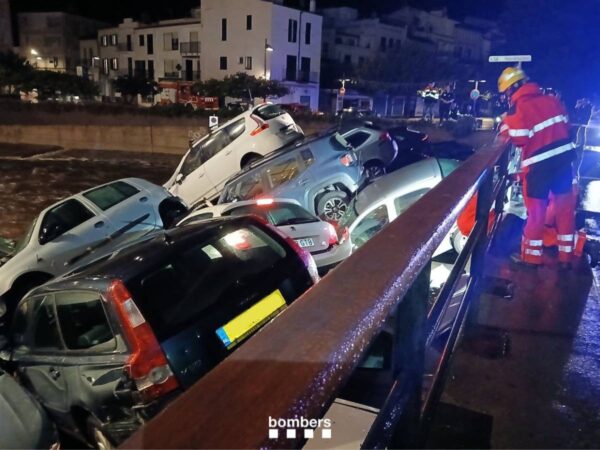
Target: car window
x=236, y=129
x=45, y=327
x=83, y=321
x=447, y=166
x=370, y=225
x=245, y=188
x=229, y=269
x=283, y=172
x=213, y=145
x=268, y=112
x=106, y=197
x=357, y=139
x=404, y=202
x=307, y=157
x=278, y=214
x=66, y=216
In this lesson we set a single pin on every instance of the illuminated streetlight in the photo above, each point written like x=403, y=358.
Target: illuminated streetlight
x=34, y=52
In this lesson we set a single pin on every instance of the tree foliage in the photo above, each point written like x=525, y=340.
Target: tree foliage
x=130, y=87
x=241, y=85
x=16, y=75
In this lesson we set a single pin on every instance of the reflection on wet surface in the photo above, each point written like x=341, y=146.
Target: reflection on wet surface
x=30, y=180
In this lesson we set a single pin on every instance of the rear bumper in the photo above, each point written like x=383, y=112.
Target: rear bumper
x=334, y=256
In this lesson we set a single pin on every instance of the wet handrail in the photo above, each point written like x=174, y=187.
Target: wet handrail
x=295, y=366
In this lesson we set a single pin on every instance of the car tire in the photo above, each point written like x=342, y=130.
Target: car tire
x=374, y=170
x=332, y=205
x=18, y=291
x=97, y=436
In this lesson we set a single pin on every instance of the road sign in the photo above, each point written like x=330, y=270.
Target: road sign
x=213, y=122
x=510, y=58
x=475, y=94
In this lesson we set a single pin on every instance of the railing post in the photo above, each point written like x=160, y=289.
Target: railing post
x=409, y=357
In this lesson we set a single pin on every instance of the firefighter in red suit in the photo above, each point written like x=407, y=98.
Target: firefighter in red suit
x=539, y=124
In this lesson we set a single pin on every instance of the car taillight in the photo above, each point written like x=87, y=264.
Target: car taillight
x=347, y=160
x=261, y=127
x=147, y=366
x=264, y=201
x=333, y=237
x=385, y=136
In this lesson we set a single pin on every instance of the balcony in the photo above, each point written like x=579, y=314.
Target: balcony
x=189, y=48
x=300, y=76
x=124, y=47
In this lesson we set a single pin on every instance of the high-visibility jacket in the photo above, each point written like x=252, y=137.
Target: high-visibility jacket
x=538, y=124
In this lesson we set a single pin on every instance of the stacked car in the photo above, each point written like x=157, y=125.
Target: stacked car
x=121, y=297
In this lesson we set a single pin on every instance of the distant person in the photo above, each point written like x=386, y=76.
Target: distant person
x=446, y=100
x=539, y=124
x=431, y=98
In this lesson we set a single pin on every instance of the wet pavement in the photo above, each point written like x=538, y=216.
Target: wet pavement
x=34, y=177
x=527, y=374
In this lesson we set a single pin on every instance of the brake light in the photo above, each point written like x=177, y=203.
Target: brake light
x=385, y=136
x=333, y=237
x=260, y=128
x=347, y=160
x=147, y=366
x=264, y=201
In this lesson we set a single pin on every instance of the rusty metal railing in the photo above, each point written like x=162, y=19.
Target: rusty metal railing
x=297, y=365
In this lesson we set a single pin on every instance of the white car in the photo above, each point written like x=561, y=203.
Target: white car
x=203, y=171
x=79, y=228
x=389, y=196
x=310, y=233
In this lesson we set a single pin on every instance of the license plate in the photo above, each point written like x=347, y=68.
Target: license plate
x=236, y=330
x=304, y=243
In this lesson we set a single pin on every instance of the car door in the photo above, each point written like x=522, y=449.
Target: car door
x=66, y=232
x=369, y=224
x=223, y=157
x=191, y=182
x=38, y=353
x=130, y=211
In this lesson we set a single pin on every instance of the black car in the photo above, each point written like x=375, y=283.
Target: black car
x=106, y=347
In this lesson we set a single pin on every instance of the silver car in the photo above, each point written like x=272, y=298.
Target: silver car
x=308, y=231
x=77, y=229
x=375, y=148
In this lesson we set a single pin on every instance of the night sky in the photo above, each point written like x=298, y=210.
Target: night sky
x=114, y=10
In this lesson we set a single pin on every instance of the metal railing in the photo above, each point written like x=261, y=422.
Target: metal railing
x=297, y=365
x=189, y=48
x=300, y=76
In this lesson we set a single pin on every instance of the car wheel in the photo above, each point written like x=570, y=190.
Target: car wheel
x=97, y=435
x=332, y=205
x=374, y=169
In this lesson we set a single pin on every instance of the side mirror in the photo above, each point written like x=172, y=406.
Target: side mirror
x=51, y=229
x=179, y=178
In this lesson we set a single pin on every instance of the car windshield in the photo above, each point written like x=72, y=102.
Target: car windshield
x=26, y=238
x=229, y=267
x=268, y=112
x=278, y=214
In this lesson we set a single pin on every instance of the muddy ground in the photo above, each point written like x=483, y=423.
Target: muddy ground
x=34, y=177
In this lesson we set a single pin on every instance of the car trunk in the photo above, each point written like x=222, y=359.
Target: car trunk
x=313, y=237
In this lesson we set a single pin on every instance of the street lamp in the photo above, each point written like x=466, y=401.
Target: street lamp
x=34, y=52
x=268, y=49
x=475, y=94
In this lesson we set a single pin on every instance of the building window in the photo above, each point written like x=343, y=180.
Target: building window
x=241, y=60
x=114, y=39
x=150, y=44
x=150, y=69
x=292, y=30
x=248, y=22
x=129, y=45
x=141, y=40
x=383, y=45
x=130, y=67
x=248, y=62
x=347, y=59
x=223, y=63
x=361, y=60
x=171, y=68
x=223, y=29
x=105, y=66
x=104, y=41
x=114, y=63
x=171, y=41
x=307, y=33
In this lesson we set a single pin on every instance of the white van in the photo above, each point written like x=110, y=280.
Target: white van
x=212, y=160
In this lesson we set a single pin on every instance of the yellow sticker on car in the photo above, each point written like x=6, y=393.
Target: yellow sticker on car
x=236, y=330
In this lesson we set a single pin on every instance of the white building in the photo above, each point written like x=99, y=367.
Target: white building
x=264, y=39
x=50, y=40
x=6, y=39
